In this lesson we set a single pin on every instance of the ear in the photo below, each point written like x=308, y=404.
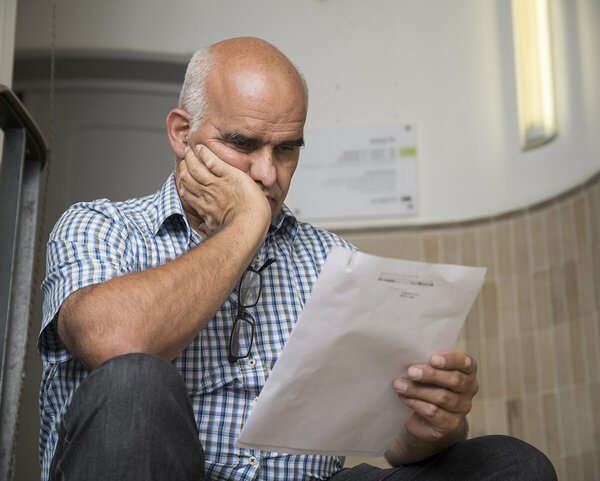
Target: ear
x=178, y=129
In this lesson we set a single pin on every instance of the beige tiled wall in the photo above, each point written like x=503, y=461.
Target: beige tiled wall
x=534, y=327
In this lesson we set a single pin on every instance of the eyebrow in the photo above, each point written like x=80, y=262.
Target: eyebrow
x=238, y=138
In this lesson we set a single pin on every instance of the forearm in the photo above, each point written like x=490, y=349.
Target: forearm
x=160, y=310
x=408, y=449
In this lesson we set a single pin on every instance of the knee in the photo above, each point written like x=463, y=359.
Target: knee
x=521, y=458
x=129, y=378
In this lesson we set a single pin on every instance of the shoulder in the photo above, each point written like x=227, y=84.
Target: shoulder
x=321, y=237
x=102, y=220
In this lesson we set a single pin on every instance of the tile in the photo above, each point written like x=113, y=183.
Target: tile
x=596, y=272
x=582, y=234
x=577, y=353
x=508, y=318
x=572, y=291
x=485, y=243
x=534, y=426
x=586, y=285
x=529, y=365
x=587, y=463
x=593, y=196
x=584, y=426
x=537, y=239
x=568, y=423
x=489, y=299
x=449, y=240
x=557, y=295
x=503, y=248
x=468, y=247
x=550, y=415
x=544, y=343
x=552, y=235
x=521, y=245
x=567, y=227
x=491, y=378
x=592, y=348
x=595, y=400
x=512, y=366
x=514, y=417
x=477, y=426
x=495, y=413
x=431, y=247
x=564, y=361
x=542, y=299
x=559, y=466
x=572, y=468
x=472, y=327
x=524, y=303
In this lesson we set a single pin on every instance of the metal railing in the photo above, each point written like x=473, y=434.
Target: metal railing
x=23, y=158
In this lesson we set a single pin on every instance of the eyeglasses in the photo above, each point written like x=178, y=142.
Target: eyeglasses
x=242, y=334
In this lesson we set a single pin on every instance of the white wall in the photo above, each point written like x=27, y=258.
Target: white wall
x=446, y=66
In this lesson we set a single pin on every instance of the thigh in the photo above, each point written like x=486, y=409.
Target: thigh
x=487, y=458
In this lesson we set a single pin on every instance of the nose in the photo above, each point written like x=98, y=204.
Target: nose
x=262, y=168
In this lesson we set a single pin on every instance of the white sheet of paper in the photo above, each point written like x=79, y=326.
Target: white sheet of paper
x=366, y=320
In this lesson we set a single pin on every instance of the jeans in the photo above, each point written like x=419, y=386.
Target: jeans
x=132, y=419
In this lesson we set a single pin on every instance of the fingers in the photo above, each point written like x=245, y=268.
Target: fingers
x=426, y=397
x=454, y=360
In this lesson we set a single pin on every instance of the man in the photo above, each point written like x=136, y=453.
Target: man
x=135, y=284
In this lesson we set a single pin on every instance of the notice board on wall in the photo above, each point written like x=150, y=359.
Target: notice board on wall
x=356, y=176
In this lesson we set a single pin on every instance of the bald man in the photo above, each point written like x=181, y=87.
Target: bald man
x=164, y=315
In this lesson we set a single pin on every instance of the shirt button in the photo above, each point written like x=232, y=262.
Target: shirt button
x=251, y=362
x=253, y=460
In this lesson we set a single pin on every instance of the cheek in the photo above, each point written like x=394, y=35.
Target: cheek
x=235, y=159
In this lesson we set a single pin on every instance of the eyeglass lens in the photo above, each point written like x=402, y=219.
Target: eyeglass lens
x=241, y=337
x=249, y=289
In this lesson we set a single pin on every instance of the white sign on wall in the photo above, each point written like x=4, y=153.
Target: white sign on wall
x=349, y=175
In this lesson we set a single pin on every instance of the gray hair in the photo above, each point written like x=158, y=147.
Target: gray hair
x=193, y=98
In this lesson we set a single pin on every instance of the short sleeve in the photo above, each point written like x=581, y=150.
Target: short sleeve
x=87, y=246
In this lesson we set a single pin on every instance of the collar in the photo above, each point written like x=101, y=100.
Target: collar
x=285, y=223
x=169, y=205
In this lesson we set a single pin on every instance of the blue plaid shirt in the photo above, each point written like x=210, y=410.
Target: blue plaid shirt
x=100, y=240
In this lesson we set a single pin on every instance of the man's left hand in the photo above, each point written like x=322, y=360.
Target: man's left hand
x=440, y=394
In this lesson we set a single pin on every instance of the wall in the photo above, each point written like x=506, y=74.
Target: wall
x=534, y=328
x=8, y=16
x=446, y=66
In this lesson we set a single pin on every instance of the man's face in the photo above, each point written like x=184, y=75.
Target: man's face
x=256, y=123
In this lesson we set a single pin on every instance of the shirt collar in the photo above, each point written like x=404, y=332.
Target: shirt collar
x=169, y=205
x=285, y=223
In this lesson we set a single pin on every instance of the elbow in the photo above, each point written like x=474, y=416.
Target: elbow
x=85, y=333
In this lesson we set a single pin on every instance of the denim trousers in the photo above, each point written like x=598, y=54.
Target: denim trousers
x=132, y=419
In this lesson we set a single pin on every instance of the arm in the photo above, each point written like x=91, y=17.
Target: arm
x=440, y=395
x=161, y=310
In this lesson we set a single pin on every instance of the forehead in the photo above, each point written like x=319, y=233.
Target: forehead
x=255, y=101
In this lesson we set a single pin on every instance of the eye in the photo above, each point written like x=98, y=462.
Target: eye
x=287, y=147
x=242, y=145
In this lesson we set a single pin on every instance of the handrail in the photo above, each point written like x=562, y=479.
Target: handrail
x=13, y=114
x=23, y=157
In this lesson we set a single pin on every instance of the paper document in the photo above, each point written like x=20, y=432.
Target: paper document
x=366, y=320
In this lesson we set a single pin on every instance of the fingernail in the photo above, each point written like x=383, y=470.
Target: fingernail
x=400, y=385
x=438, y=361
x=468, y=361
x=198, y=148
x=415, y=372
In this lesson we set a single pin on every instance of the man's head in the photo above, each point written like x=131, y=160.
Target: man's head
x=246, y=102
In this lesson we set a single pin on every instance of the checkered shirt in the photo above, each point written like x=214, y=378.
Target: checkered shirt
x=100, y=240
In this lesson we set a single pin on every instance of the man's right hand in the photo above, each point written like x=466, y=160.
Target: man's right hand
x=218, y=193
